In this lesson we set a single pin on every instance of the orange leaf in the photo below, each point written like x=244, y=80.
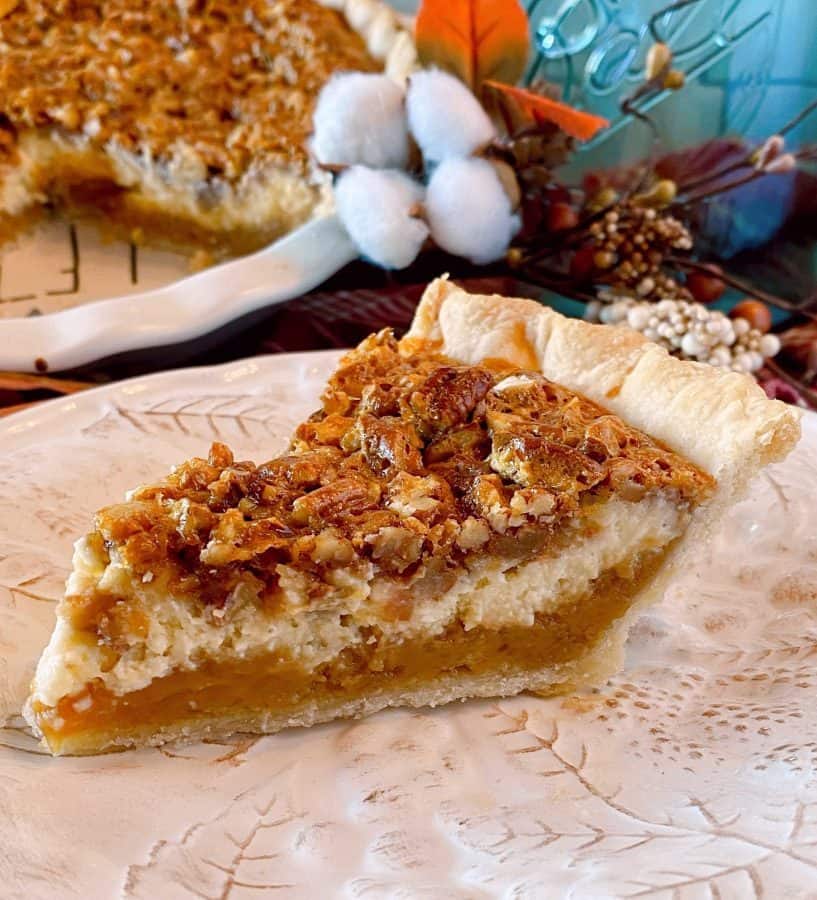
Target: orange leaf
x=540, y=109
x=474, y=39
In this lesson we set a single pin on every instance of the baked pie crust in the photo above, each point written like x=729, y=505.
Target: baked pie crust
x=476, y=510
x=183, y=124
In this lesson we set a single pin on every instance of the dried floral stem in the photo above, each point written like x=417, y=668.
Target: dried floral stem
x=566, y=237
x=739, y=285
x=806, y=152
x=641, y=182
x=722, y=189
x=683, y=187
x=649, y=88
x=797, y=119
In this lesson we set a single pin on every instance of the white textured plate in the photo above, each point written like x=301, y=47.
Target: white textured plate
x=691, y=775
x=53, y=285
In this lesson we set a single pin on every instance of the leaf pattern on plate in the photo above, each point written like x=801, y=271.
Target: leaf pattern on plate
x=691, y=774
x=210, y=417
x=215, y=859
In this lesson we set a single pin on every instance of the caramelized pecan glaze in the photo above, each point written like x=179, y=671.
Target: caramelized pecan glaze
x=411, y=464
x=234, y=83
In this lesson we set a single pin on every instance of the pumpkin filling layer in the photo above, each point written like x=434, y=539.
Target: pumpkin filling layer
x=249, y=690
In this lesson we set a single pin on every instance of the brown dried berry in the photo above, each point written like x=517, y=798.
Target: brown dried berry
x=705, y=287
x=561, y=216
x=757, y=314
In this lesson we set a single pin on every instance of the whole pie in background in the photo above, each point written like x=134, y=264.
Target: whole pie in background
x=476, y=510
x=178, y=124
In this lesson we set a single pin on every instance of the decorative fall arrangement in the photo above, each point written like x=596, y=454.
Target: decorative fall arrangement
x=448, y=156
x=463, y=158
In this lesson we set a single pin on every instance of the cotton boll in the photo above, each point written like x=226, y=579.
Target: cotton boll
x=360, y=119
x=468, y=211
x=374, y=206
x=445, y=117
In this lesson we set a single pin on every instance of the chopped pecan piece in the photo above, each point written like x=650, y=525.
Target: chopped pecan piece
x=220, y=455
x=412, y=495
x=488, y=495
x=331, y=548
x=227, y=490
x=345, y=497
x=396, y=548
x=374, y=358
x=448, y=397
x=235, y=539
x=303, y=471
x=322, y=430
x=473, y=534
x=328, y=548
x=389, y=444
x=465, y=440
x=535, y=502
x=529, y=460
x=605, y=438
x=118, y=522
x=194, y=520
x=379, y=400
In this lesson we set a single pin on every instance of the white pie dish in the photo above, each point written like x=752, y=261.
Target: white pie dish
x=176, y=312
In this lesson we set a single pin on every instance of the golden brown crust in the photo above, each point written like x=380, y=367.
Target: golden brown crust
x=719, y=420
x=233, y=82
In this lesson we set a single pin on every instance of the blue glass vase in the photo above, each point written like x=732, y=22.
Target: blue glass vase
x=750, y=65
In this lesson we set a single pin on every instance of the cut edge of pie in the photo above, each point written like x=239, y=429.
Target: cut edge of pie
x=127, y=153
x=478, y=510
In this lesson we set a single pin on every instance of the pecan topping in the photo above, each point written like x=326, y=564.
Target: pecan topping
x=302, y=471
x=529, y=460
x=410, y=464
x=219, y=89
x=448, y=397
x=470, y=440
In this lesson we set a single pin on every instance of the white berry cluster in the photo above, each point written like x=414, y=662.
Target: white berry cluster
x=691, y=331
x=364, y=125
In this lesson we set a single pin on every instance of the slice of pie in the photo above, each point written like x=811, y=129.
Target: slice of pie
x=178, y=123
x=476, y=510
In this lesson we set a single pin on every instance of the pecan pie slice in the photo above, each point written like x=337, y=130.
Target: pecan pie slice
x=476, y=510
x=179, y=123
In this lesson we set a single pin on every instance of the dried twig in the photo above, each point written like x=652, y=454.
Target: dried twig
x=740, y=285
x=18, y=381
